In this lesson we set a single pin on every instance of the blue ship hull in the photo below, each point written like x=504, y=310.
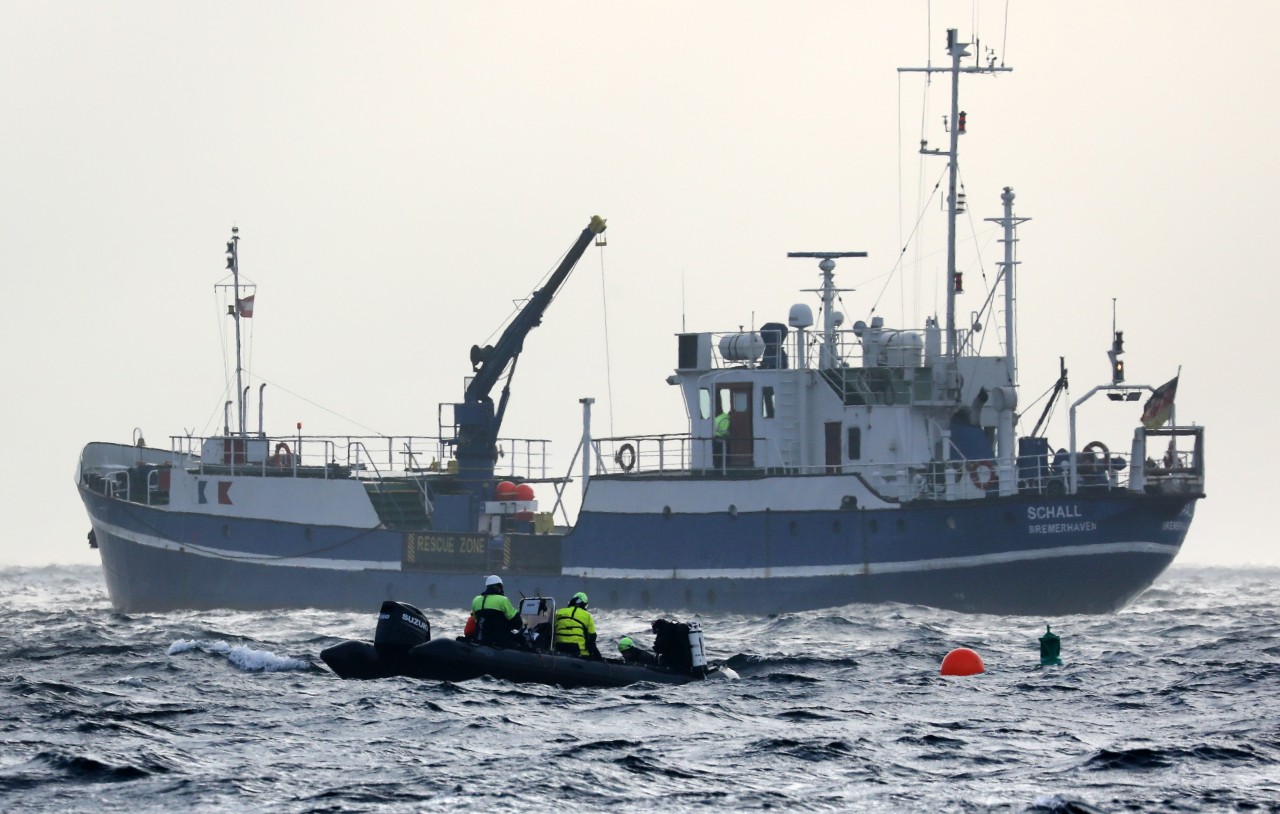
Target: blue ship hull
x=1090, y=553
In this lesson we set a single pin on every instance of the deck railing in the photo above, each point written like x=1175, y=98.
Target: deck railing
x=363, y=456
x=957, y=479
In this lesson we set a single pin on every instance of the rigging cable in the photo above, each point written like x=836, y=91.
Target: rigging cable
x=902, y=280
x=920, y=165
x=1038, y=398
x=1004, y=38
x=608, y=368
x=518, y=305
x=378, y=433
x=219, y=312
x=898, y=262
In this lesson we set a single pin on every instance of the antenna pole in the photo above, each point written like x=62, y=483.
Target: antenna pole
x=1010, y=226
x=828, y=358
x=233, y=263
x=957, y=50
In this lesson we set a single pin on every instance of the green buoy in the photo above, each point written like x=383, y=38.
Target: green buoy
x=1050, y=648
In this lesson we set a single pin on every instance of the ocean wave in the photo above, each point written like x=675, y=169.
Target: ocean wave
x=59, y=765
x=1158, y=708
x=242, y=657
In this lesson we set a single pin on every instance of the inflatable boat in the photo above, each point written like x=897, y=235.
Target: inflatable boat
x=403, y=646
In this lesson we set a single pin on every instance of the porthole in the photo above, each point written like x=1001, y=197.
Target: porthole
x=951, y=523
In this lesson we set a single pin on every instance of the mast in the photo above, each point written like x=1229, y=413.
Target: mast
x=957, y=50
x=233, y=263
x=1009, y=223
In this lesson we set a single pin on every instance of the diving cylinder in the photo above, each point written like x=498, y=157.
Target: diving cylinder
x=696, y=651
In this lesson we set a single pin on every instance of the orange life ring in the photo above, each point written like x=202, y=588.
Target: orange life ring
x=283, y=456
x=982, y=473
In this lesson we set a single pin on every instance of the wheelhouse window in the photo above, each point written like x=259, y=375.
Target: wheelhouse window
x=704, y=402
x=766, y=402
x=854, y=444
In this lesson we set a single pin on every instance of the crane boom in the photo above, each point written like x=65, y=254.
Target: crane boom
x=476, y=420
x=494, y=359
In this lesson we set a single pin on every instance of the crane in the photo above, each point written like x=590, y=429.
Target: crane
x=476, y=420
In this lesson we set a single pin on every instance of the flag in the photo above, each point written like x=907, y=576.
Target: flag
x=245, y=306
x=1157, y=409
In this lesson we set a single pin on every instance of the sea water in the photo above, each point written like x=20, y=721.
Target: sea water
x=1170, y=705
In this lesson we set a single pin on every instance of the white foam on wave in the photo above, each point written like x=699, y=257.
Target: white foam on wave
x=241, y=657
x=246, y=658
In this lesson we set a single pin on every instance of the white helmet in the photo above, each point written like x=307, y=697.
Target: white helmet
x=491, y=580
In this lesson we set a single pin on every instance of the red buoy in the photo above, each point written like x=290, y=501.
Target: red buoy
x=524, y=492
x=505, y=490
x=962, y=662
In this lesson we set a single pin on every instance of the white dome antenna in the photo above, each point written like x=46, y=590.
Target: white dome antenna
x=800, y=316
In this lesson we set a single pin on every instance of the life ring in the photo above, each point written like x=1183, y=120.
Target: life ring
x=283, y=456
x=1097, y=446
x=982, y=473
x=626, y=457
x=1092, y=464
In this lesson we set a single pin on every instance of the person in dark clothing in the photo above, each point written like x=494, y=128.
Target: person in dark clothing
x=671, y=644
x=634, y=654
x=497, y=622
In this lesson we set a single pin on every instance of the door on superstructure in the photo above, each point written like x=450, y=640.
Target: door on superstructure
x=736, y=398
x=832, y=445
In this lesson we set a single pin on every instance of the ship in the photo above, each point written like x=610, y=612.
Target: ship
x=823, y=464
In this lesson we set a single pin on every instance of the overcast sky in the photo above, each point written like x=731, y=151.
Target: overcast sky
x=402, y=172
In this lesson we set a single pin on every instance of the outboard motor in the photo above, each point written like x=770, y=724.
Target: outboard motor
x=400, y=627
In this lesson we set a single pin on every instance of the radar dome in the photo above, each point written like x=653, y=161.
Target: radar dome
x=801, y=316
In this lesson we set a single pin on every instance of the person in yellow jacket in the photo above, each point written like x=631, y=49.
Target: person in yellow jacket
x=496, y=619
x=720, y=442
x=575, y=630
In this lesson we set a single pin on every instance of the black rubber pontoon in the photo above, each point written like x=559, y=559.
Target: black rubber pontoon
x=403, y=647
